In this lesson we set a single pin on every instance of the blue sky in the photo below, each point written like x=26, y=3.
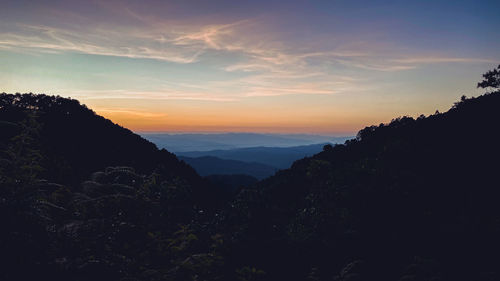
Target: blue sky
x=329, y=67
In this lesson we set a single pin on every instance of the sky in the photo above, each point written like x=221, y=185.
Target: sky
x=323, y=67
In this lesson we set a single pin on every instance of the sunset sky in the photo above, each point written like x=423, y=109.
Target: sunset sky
x=327, y=67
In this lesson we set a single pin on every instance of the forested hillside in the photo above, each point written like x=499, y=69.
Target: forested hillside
x=82, y=198
x=74, y=141
x=410, y=200
x=414, y=199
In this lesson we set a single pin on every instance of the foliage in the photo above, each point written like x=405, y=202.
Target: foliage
x=491, y=79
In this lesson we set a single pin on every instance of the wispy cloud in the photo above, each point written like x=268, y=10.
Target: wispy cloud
x=134, y=113
x=444, y=59
x=269, y=65
x=163, y=94
x=100, y=42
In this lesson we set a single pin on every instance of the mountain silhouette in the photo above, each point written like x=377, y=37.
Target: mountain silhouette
x=415, y=199
x=75, y=141
x=84, y=199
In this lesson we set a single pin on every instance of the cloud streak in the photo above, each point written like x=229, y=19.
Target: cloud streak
x=267, y=64
x=105, y=43
x=164, y=94
x=134, y=113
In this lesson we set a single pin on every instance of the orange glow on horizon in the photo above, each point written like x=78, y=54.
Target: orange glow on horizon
x=151, y=122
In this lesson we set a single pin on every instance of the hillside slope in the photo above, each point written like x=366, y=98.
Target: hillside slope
x=71, y=210
x=415, y=199
x=74, y=141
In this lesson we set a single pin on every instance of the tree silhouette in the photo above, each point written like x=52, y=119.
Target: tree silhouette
x=491, y=79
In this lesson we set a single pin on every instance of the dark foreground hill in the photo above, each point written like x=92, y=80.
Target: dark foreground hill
x=72, y=141
x=232, y=183
x=82, y=198
x=415, y=199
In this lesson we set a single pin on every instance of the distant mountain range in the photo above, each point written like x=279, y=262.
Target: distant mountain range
x=226, y=141
x=257, y=155
x=279, y=157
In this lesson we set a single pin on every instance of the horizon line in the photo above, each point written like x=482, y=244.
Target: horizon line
x=239, y=132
